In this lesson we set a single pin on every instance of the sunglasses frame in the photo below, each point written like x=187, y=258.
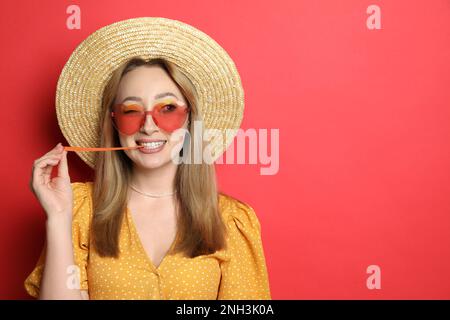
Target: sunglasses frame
x=149, y=112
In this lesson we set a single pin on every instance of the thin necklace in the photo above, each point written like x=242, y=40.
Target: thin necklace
x=152, y=195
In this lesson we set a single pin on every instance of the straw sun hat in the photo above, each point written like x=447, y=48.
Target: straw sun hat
x=220, y=95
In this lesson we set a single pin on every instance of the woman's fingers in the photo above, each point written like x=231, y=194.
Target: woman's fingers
x=52, y=154
x=43, y=167
x=41, y=162
x=56, y=150
x=63, y=170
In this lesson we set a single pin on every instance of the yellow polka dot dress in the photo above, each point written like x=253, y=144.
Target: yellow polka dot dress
x=237, y=272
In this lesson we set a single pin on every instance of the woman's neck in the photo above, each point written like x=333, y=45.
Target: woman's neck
x=157, y=181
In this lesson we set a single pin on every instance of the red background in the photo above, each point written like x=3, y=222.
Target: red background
x=364, y=120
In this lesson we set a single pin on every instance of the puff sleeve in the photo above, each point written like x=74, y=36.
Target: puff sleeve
x=244, y=274
x=82, y=212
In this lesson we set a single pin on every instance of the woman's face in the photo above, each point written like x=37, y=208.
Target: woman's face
x=146, y=86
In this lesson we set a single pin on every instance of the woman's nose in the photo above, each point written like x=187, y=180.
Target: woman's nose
x=149, y=124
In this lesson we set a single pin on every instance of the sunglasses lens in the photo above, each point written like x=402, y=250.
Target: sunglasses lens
x=128, y=119
x=170, y=117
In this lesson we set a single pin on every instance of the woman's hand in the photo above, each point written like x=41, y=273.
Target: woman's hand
x=55, y=195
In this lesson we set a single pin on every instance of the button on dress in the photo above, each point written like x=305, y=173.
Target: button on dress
x=237, y=272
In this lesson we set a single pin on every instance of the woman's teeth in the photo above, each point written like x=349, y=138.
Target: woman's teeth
x=152, y=145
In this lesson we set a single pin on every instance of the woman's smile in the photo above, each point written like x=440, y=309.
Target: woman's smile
x=151, y=145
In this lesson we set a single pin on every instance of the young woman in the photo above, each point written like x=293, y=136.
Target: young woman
x=147, y=227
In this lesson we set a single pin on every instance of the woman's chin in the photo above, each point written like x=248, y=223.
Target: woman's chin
x=151, y=161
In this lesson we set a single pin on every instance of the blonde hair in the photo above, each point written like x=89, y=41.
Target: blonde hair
x=199, y=225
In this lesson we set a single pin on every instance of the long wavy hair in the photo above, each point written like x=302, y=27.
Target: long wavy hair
x=199, y=225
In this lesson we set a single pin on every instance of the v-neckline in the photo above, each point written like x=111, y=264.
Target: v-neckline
x=141, y=246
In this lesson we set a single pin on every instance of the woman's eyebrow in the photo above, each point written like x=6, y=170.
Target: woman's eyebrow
x=132, y=98
x=158, y=96
x=165, y=94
